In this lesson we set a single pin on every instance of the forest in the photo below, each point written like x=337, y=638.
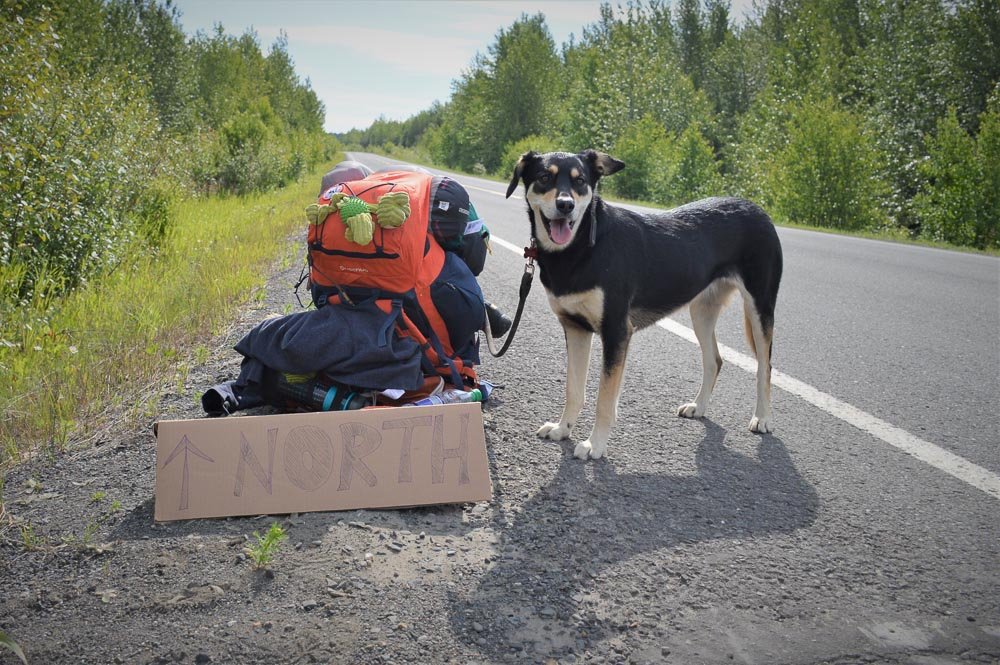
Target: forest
x=859, y=115
x=108, y=113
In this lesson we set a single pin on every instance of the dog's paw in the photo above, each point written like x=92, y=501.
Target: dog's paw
x=690, y=410
x=589, y=449
x=761, y=425
x=554, y=431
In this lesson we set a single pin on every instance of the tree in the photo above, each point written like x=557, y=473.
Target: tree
x=526, y=78
x=157, y=53
x=503, y=97
x=691, y=40
x=717, y=29
x=734, y=76
x=645, y=80
x=284, y=90
x=908, y=83
x=975, y=33
x=467, y=134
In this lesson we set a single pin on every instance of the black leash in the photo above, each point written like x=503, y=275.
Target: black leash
x=593, y=219
x=530, y=253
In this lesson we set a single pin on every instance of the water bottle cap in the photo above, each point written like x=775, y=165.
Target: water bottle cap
x=331, y=394
x=477, y=395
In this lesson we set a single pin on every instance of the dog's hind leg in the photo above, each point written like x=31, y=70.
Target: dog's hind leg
x=615, y=353
x=578, y=343
x=705, y=310
x=760, y=335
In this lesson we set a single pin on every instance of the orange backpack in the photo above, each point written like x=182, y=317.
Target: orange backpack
x=397, y=266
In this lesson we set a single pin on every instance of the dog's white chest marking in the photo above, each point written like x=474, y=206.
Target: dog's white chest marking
x=586, y=305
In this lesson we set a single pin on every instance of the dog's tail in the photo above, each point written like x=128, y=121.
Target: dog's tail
x=748, y=329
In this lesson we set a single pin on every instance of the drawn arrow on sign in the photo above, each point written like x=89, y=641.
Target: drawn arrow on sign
x=186, y=446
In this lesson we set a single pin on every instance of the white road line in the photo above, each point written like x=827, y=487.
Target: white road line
x=490, y=191
x=506, y=245
x=925, y=451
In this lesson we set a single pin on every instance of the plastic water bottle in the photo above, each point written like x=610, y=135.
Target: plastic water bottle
x=321, y=395
x=458, y=396
x=433, y=400
x=453, y=396
x=337, y=398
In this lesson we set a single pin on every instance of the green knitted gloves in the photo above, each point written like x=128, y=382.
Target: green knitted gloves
x=390, y=212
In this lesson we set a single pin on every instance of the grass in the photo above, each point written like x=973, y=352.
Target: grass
x=109, y=348
x=30, y=540
x=7, y=642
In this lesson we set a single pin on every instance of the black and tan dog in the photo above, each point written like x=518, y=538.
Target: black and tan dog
x=613, y=271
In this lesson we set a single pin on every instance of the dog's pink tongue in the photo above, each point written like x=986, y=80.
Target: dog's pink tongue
x=559, y=231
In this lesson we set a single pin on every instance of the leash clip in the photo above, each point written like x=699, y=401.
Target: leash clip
x=530, y=254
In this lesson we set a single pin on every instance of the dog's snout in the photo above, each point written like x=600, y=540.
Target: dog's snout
x=565, y=204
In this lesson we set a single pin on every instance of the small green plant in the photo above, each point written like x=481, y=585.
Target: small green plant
x=89, y=532
x=30, y=540
x=201, y=354
x=262, y=552
x=97, y=496
x=8, y=643
x=116, y=505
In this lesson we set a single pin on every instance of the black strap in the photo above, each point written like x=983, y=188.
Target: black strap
x=593, y=219
x=525, y=287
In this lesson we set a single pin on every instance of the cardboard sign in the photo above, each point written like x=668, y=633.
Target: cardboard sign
x=293, y=463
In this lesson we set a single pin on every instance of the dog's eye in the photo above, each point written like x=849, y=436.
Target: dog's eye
x=545, y=178
x=580, y=181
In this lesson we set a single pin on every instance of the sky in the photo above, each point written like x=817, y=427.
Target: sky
x=391, y=58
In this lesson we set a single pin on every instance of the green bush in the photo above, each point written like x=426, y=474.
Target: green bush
x=79, y=157
x=960, y=202
x=662, y=168
x=694, y=173
x=647, y=150
x=825, y=173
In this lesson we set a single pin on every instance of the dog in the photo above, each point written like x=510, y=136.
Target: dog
x=612, y=271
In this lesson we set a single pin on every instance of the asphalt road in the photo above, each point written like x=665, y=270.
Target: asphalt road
x=906, y=546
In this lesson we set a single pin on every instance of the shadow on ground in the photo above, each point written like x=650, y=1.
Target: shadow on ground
x=590, y=517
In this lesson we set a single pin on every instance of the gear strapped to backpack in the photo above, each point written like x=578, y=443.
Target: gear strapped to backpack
x=370, y=239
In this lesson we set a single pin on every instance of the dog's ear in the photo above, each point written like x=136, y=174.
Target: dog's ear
x=526, y=159
x=603, y=164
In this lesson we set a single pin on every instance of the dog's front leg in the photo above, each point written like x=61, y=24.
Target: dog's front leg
x=578, y=342
x=615, y=352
